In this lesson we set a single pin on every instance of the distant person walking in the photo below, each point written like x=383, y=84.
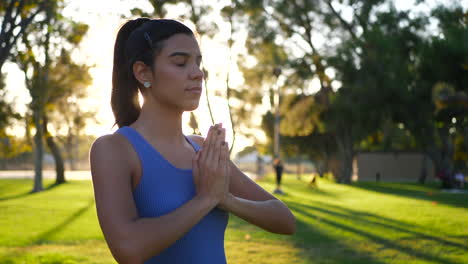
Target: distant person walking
x=278, y=165
x=460, y=180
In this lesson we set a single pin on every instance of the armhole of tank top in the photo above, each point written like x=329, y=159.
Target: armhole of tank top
x=194, y=144
x=134, y=179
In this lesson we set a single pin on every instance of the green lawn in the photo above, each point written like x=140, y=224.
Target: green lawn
x=361, y=223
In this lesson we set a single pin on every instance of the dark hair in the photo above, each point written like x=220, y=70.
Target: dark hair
x=140, y=39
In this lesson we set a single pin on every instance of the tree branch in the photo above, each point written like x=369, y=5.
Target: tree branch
x=343, y=22
x=7, y=18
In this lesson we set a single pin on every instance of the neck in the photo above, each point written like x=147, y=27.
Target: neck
x=160, y=122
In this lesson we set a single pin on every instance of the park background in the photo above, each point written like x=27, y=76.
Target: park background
x=369, y=98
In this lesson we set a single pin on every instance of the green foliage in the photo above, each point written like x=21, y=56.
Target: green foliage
x=387, y=62
x=247, y=150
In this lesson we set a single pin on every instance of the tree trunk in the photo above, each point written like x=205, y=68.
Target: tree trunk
x=55, y=150
x=69, y=150
x=346, y=167
x=423, y=175
x=345, y=147
x=38, y=151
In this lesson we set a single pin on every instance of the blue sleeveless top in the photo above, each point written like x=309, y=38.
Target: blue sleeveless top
x=162, y=189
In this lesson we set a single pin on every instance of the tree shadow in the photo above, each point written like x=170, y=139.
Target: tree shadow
x=314, y=245
x=416, y=191
x=15, y=196
x=371, y=219
x=27, y=193
x=44, y=237
x=326, y=249
x=362, y=222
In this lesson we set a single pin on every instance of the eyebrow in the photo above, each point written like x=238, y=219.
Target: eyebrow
x=184, y=54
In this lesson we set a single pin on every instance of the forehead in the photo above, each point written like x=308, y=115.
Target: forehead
x=181, y=42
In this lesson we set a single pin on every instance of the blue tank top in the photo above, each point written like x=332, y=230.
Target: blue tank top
x=162, y=189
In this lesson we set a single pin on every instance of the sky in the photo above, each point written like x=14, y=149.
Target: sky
x=104, y=20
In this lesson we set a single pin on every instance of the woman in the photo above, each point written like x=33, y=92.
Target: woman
x=162, y=197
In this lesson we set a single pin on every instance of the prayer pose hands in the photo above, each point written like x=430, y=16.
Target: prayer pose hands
x=211, y=166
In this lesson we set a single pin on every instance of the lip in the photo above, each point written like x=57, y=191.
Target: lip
x=196, y=89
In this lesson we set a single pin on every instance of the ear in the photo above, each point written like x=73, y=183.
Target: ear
x=142, y=72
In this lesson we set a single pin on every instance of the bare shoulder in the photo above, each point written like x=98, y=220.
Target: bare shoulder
x=197, y=139
x=110, y=153
x=108, y=146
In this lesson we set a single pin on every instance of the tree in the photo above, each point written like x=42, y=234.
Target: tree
x=53, y=38
x=194, y=124
x=296, y=25
x=16, y=16
x=438, y=95
x=67, y=84
x=36, y=75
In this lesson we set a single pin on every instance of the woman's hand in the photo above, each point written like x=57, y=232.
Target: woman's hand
x=211, y=166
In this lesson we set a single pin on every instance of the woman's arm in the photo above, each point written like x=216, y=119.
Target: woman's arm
x=132, y=239
x=252, y=203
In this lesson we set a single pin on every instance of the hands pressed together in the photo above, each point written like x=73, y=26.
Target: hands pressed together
x=211, y=166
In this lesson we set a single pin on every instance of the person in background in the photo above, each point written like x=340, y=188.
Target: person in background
x=460, y=179
x=278, y=166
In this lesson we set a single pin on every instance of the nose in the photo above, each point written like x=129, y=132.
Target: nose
x=197, y=73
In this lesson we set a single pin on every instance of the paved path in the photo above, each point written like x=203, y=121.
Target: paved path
x=47, y=174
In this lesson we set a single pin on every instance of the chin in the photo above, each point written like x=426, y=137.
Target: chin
x=191, y=107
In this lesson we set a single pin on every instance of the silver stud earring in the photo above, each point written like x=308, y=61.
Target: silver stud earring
x=147, y=84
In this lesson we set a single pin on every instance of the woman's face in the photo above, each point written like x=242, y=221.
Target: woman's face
x=177, y=77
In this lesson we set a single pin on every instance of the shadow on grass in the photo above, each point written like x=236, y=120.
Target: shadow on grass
x=367, y=219
x=325, y=249
x=363, y=223
x=314, y=245
x=45, y=236
x=24, y=194
x=413, y=190
x=19, y=256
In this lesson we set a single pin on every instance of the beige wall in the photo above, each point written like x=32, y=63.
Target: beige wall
x=398, y=166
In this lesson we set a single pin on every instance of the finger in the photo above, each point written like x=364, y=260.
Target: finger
x=223, y=134
x=212, y=155
x=219, y=141
x=222, y=140
x=227, y=164
x=206, y=144
x=226, y=147
x=222, y=154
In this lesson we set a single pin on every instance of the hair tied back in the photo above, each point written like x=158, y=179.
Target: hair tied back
x=148, y=39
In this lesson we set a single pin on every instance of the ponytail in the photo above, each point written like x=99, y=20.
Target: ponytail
x=124, y=98
x=137, y=40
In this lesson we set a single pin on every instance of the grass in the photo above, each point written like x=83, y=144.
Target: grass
x=360, y=223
